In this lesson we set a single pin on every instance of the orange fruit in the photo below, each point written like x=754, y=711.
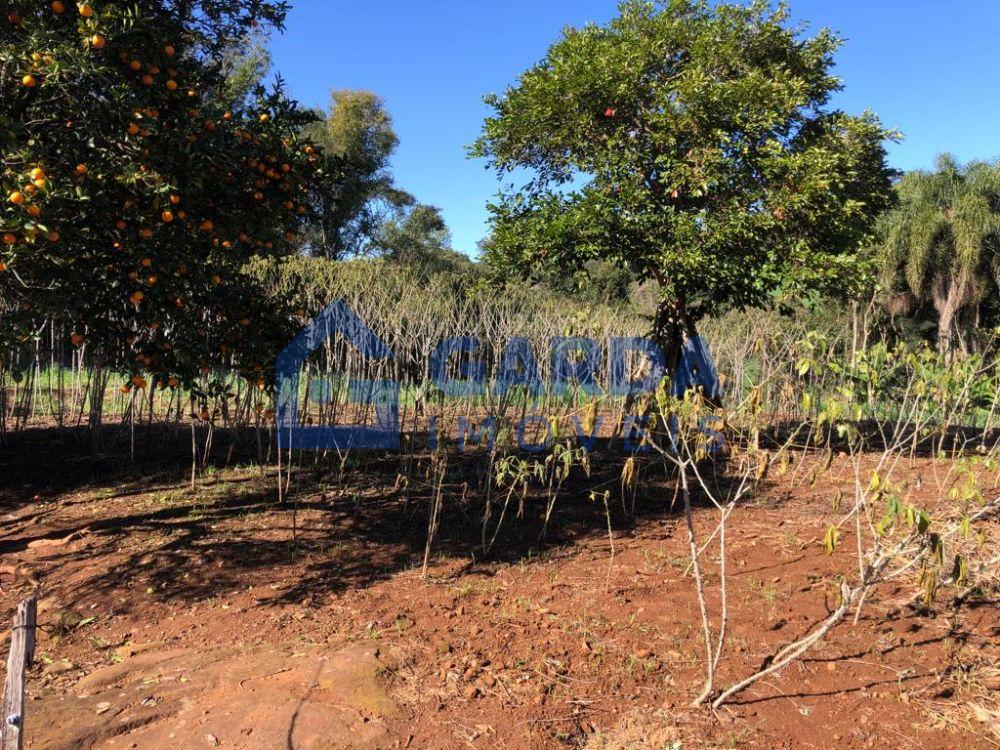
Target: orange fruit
x=120, y=224
x=245, y=322
x=167, y=216
x=169, y=51
x=58, y=7
x=53, y=236
x=146, y=262
x=126, y=388
x=40, y=183
x=9, y=239
x=137, y=297
x=172, y=382
x=151, y=280
x=37, y=173
x=97, y=41
x=265, y=117
x=85, y=10
x=174, y=200
x=171, y=85
x=135, y=65
x=147, y=80
x=215, y=279
x=29, y=81
x=77, y=339
x=33, y=211
x=207, y=225
x=81, y=169
x=133, y=129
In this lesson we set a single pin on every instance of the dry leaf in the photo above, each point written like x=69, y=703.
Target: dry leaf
x=990, y=718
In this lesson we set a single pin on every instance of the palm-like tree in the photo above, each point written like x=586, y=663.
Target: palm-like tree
x=942, y=246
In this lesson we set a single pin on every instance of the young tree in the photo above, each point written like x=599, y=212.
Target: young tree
x=942, y=246
x=694, y=145
x=134, y=192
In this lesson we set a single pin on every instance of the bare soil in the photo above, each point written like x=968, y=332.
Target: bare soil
x=219, y=618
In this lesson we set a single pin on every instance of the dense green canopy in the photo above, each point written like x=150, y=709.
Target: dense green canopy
x=695, y=145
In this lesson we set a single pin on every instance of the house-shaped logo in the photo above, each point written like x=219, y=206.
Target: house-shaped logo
x=381, y=397
x=382, y=394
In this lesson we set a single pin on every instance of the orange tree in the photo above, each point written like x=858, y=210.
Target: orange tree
x=133, y=193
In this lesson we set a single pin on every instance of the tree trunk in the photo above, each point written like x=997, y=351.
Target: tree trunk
x=671, y=327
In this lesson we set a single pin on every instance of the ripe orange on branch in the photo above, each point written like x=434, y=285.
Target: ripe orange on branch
x=124, y=203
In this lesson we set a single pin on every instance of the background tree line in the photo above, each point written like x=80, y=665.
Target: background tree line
x=684, y=160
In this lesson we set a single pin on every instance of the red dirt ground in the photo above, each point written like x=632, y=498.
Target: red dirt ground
x=191, y=619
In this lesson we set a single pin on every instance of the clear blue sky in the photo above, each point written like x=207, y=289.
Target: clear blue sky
x=928, y=68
